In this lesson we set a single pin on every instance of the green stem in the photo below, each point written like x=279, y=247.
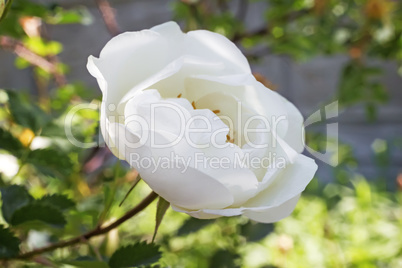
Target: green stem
x=6, y=9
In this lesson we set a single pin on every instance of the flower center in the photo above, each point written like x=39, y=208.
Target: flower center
x=216, y=111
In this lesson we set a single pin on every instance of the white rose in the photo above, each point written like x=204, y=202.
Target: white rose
x=209, y=161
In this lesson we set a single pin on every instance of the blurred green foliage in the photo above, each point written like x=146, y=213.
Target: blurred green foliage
x=303, y=29
x=52, y=190
x=346, y=226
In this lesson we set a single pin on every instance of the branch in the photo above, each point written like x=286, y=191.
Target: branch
x=108, y=15
x=260, y=32
x=97, y=231
x=18, y=48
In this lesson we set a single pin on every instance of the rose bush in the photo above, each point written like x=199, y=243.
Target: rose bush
x=187, y=113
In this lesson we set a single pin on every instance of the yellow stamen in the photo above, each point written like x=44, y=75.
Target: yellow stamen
x=179, y=96
x=193, y=104
x=216, y=111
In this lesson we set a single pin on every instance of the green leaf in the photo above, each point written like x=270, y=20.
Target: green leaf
x=9, y=143
x=21, y=63
x=254, y=232
x=137, y=180
x=9, y=244
x=57, y=201
x=38, y=212
x=86, y=262
x=223, y=259
x=30, y=8
x=193, y=225
x=25, y=113
x=77, y=15
x=50, y=161
x=14, y=197
x=161, y=209
x=135, y=255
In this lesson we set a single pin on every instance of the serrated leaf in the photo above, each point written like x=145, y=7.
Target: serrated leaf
x=9, y=143
x=193, y=225
x=161, y=209
x=25, y=113
x=50, y=161
x=38, y=212
x=9, y=244
x=58, y=201
x=14, y=197
x=135, y=255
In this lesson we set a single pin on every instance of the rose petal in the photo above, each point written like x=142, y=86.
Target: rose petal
x=286, y=184
x=276, y=201
x=169, y=28
x=168, y=127
x=178, y=184
x=273, y=213
x=216, y=46
x=124, y=62
x=207, y=45
x=264, y=215
x=170, y=80
x=253, y=95
x=209, y=213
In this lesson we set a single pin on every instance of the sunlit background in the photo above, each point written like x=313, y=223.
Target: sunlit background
x=314, y=52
